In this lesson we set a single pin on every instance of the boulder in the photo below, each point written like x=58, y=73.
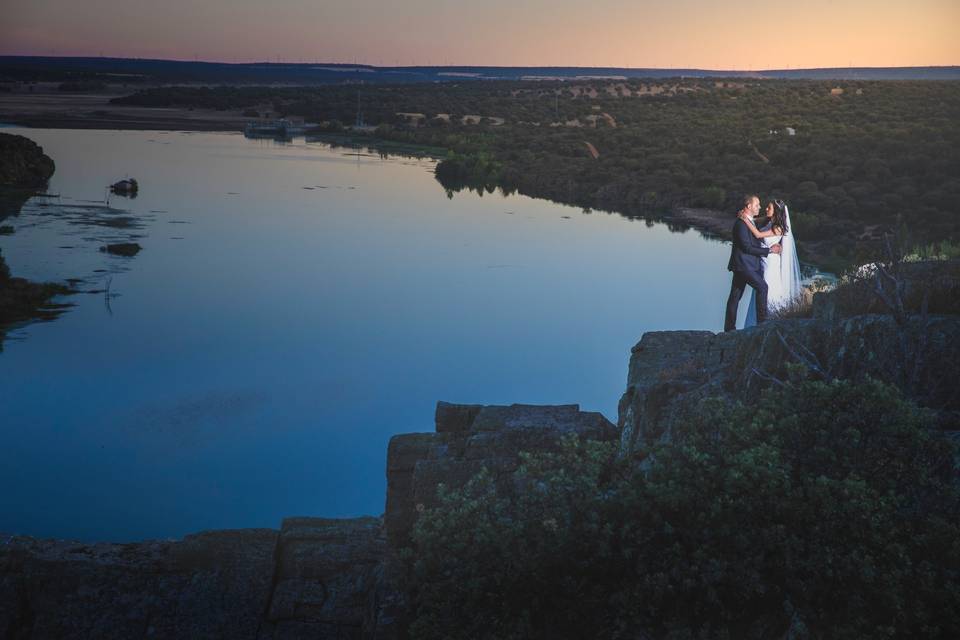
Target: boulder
x=126, y=249
x=325, y=579
x=125, y=187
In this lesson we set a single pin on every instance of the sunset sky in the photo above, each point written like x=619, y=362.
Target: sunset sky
x=707, y=34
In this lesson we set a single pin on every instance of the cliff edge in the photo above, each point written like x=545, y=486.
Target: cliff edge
x=342, y=578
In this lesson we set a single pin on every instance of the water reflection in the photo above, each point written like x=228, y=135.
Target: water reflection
x=295, y=305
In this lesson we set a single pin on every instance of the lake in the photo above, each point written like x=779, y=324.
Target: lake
x=293, y=307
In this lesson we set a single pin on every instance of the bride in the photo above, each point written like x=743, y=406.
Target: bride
x=780, y=271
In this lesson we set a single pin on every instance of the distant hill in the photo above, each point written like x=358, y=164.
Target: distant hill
x=135, y=71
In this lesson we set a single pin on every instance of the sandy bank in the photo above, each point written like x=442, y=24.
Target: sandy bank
x=46, y=107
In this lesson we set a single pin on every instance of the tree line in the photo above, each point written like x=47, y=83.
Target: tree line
x=854, y=159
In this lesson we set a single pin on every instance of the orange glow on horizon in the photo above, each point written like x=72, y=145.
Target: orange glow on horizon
x=739, y=35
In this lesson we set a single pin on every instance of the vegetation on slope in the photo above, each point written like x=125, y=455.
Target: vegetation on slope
x=828, y=510
x=865, y=158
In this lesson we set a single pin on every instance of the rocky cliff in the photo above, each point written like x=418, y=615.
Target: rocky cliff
x=339, y=579
x=919, y=352
x=669, y=369
x=334, y=579
x=314, y=578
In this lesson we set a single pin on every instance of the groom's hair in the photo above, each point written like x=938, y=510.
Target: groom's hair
x=747, y=199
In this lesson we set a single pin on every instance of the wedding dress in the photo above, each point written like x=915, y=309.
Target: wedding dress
x=781, y=273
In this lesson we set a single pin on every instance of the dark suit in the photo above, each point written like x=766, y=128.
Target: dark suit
x=745, y=264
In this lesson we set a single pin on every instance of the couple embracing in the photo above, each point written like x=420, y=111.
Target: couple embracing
x=763, y=257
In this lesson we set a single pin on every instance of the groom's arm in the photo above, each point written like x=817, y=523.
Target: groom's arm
x=743, y=239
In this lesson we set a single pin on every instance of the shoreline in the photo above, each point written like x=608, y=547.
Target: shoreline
x=49, y=108
x=57, y=110
x=711, y=223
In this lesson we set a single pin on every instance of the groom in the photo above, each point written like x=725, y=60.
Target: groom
x=745, y=264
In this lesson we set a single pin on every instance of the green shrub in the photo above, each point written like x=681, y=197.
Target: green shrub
x=809, y=226
x=714, y=197
x=827, y=510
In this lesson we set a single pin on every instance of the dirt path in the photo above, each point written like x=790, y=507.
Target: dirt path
x=757, y=151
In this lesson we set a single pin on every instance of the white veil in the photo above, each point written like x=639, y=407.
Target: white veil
x=790, y=263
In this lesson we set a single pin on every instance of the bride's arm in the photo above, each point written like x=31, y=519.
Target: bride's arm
x=756, y=232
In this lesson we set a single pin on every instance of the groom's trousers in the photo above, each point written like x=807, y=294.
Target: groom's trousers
x=741, y=280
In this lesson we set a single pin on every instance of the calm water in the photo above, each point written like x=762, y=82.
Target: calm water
x=254, y=359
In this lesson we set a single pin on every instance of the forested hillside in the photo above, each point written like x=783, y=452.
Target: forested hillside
x=854, y=159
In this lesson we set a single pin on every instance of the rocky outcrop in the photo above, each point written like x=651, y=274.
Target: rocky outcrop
x=325, y=580
x=213, y=584
x=671, y=370
x=934, y=284
x=318, y=578
x=343, y=578
x=314, y=578
x=23, y=163
x=468, y=438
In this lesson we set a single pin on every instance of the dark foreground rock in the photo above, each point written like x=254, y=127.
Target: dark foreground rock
x=317, y=578
x=325, y=580
x=213, y=584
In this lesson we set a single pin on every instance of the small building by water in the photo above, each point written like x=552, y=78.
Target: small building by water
x=282, y=128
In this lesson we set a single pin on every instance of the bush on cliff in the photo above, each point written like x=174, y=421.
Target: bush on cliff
x=826, y=511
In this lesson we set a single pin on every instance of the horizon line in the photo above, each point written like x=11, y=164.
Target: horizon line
x=472, y=66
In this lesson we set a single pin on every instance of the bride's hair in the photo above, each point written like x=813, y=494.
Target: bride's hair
x=780, y=216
